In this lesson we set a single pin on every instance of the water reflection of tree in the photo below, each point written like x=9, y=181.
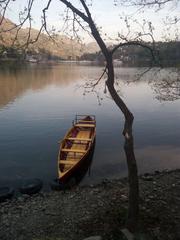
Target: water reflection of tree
x=168, y=87
x=165, y=83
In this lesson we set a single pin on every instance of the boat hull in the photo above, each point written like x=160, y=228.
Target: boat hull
x=80, y=169
x=76, y=149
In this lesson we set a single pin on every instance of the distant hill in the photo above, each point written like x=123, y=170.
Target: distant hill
x=62, y=46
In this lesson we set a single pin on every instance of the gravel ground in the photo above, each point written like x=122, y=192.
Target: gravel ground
x=95, y=210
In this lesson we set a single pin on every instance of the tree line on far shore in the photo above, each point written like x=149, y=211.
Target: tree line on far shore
x=18, y=54
x=168, y=54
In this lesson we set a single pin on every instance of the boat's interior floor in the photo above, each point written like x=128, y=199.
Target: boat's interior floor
x=84, y=134
x=73, y=157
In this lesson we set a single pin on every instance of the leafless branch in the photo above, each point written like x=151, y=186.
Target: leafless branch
x=44, y=14
x=97, y=93
x=146, y=3
x=75, y=10
x=167, y=90
x=102, y=75
x=44, y=22
x=171, y=20
x=153, y=2
x=80, y=24
x=136, y=43
x=4, y=10
x=95, y=31
x=92, y=84
x=21, y=20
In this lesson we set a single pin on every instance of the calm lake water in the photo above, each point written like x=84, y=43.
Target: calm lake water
x=39, y=102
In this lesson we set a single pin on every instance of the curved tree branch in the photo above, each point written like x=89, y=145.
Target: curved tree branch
x=134, y=43
x=75, y=10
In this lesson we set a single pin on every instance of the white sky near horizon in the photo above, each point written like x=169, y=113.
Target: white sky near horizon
x=106, y=15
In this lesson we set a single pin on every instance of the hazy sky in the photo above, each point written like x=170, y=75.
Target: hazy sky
x=105, y=14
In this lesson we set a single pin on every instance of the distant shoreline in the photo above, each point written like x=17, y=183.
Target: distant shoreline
x=8, y=61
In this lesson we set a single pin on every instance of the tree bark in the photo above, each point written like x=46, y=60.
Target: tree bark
x=133, y=208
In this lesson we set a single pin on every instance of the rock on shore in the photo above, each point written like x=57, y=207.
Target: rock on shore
x=98, y=210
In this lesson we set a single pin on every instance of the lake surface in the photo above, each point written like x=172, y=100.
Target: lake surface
x=39, y=102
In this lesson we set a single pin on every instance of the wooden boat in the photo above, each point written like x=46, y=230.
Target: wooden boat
x=76, y=146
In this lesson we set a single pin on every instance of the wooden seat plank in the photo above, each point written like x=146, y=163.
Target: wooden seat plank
x=85, y=125
x=88, y=121
x=80, y=139
x=73, y=150
x=67, y=162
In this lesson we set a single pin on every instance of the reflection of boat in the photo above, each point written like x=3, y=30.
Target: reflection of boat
x=76, y=147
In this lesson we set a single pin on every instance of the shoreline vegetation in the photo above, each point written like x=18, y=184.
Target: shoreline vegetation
x=95, y=210
x=10, y=62
x=130, y=56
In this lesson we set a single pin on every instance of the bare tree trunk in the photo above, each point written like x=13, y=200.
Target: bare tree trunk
x=133, y=209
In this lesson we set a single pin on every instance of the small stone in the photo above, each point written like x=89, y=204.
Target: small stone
x=71, y=196
x=127, y=234
x=147, y=200
x=20, y=199
x=143, y=208
x=51, y=224
x=94, y=238
x=147, y=178
x=25, y=196
x=146, y=174
x=124, y=197
x=105, y=181
x=100, y=204
x=151, y=197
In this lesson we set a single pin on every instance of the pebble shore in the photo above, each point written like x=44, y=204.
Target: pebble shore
x=96, y=210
